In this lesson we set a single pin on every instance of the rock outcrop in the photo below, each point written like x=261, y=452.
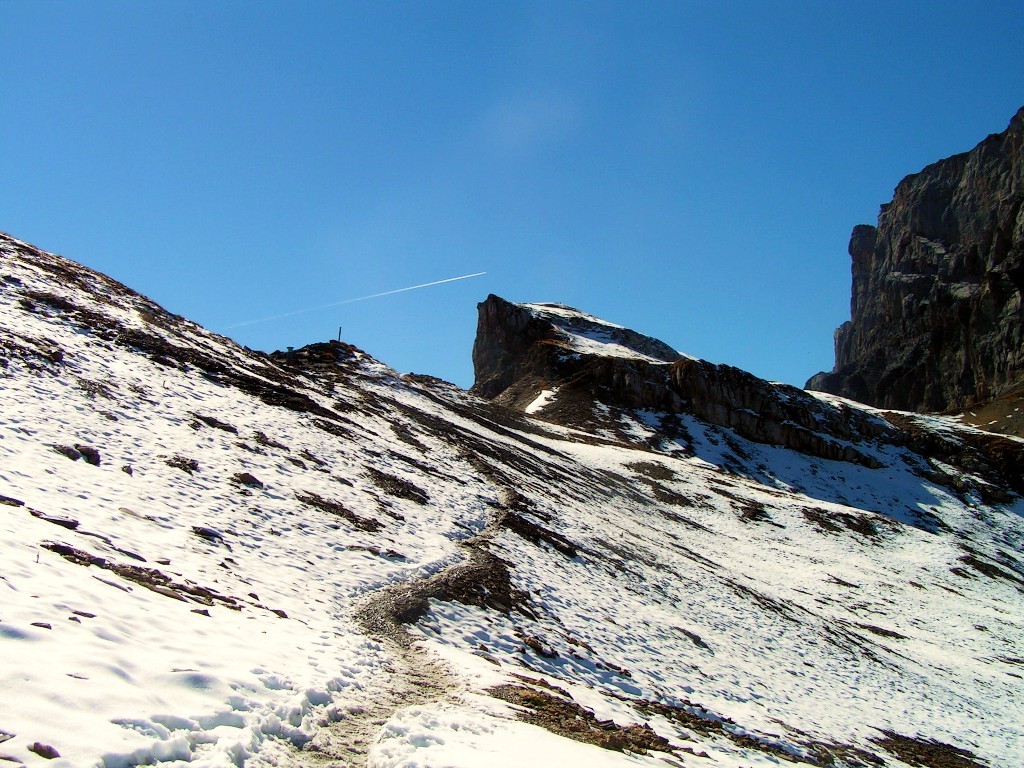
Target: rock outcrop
x=936, y=313
x=516, y=338
x=523, y=350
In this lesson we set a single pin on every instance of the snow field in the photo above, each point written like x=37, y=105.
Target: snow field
x=647, y=601
x=767, y=593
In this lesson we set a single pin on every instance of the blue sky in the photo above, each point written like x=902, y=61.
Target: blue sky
x=689, y=169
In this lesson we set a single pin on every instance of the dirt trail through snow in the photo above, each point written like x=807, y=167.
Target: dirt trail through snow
x=416, y=676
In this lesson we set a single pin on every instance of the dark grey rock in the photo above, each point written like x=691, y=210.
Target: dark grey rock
x=518, y=353
x=937, y=320
x=208, y=533
x=247, y=479
x=90, y=454
x=64, y=522
x=67, y=450
x=44, y=750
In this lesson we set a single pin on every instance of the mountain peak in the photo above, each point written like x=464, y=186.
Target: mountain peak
x=514, y=341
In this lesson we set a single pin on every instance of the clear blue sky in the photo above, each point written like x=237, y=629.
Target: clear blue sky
x=689, y=169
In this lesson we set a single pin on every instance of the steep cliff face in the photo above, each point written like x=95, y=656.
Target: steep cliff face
x=936, y=311
x=520, y=345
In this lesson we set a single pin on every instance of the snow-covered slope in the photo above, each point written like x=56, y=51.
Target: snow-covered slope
x=586, y=334
x=215, y=557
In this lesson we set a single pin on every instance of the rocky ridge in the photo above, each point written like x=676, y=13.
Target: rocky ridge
x=936, y=309
x=579, y=367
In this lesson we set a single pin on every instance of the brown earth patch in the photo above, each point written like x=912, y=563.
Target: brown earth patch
x=536, y=533
x=150, y=578
x=652, y=470
x=990, y=570
x=927, y=753
x=213, y=421
x=396, y=486
x=835, y=522
x=481, y=580
x=183, y=463
x=754, y=512
x=338, y=509
x=262, y=439
x=696, y=718
x=882, y=631
x=568, y=719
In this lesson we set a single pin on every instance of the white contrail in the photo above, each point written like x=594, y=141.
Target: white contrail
x=350, y=301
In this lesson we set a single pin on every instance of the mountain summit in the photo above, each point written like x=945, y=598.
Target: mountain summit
x=609, y=554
